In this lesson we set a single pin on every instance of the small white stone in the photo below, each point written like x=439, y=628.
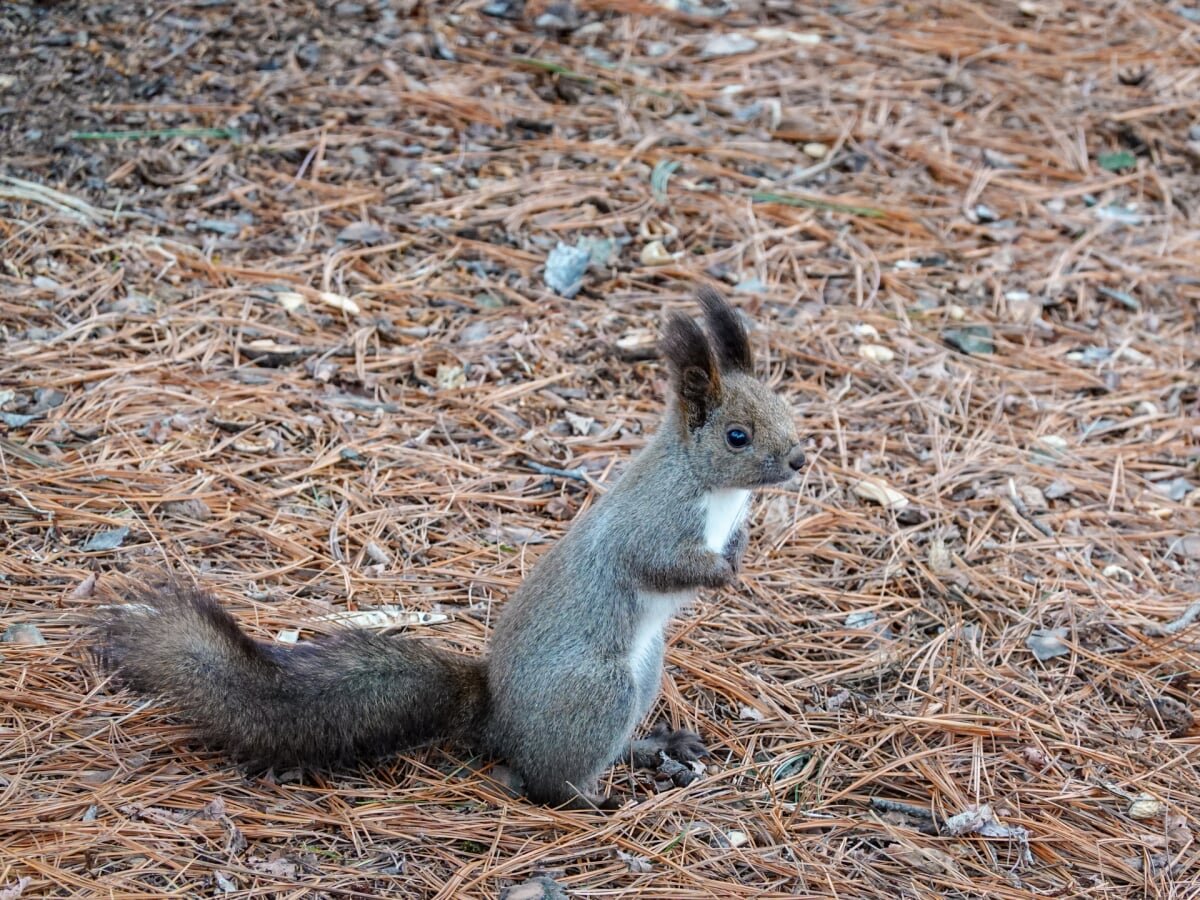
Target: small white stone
x=866, y=332
x=337, y=301
x=805, y=38
x=728, y=44
x=876, y=353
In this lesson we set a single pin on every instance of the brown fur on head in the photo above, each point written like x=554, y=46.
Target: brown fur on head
x=742, y=432
x=694, y=371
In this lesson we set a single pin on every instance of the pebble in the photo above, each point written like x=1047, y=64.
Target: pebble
x=730, y=44
x=23, y=634
x=362, y=232
x=876, y=353
x=540, y=888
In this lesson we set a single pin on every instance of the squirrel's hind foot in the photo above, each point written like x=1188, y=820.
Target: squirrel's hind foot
x=679, y=744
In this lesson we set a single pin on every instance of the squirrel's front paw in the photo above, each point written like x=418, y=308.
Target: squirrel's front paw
x=721, y=572
x=735, y=549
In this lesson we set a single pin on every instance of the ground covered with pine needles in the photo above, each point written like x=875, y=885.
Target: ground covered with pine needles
x=274, y=313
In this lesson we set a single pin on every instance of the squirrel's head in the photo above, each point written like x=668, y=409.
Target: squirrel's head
x=740, y=428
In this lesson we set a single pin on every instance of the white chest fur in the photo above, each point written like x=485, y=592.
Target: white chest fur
x=724, y=511
x=645, y=655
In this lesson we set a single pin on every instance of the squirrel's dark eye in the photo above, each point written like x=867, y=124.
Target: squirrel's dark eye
x=737, y=438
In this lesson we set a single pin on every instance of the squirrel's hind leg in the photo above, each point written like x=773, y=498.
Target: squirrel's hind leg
x=583, y=725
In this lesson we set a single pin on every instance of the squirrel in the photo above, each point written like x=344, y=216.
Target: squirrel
x=575, y=660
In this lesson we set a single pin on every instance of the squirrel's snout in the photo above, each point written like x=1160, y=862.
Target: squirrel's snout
x=796, y=458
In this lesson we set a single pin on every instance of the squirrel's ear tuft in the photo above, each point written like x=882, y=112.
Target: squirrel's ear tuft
x=694, y=372
x=728, y=332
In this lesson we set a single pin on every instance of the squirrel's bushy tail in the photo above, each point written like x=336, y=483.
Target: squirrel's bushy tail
x=343, y=697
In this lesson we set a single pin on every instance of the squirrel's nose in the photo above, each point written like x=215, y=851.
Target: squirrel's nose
x=796, y=459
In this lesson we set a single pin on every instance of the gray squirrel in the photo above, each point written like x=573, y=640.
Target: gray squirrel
x=576, y=658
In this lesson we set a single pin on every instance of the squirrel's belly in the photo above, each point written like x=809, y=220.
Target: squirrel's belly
x=645, y=652
x=724, y=510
